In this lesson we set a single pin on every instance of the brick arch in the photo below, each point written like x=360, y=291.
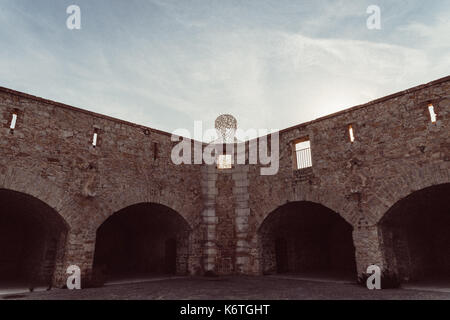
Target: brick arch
x=390, y=191
x=39, y=188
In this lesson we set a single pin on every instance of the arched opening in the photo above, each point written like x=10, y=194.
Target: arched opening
x=308, y=239
x=142, y=240
x=415, y=235
x=32, y=240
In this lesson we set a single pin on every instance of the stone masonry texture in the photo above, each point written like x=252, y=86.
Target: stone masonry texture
x=59, y=190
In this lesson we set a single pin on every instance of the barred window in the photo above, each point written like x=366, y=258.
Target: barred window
x=303, y=154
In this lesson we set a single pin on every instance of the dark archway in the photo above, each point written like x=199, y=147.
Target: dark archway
x=141, y=240
x=32, y=240
x=307, y=238
x=415, y=235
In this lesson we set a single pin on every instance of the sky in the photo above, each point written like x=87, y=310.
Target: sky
x=271, y=64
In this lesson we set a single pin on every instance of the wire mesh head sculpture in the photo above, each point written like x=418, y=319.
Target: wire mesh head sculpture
x=226, y=126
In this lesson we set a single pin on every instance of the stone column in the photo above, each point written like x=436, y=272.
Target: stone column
x=209, y=218
x=242, y=211
x=79, y=251
x=368, y=249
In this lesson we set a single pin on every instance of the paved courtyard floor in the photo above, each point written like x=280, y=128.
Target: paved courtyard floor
x=240, y=288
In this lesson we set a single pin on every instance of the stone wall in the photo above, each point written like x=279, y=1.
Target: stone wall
x=397, y=151
x=50, y=156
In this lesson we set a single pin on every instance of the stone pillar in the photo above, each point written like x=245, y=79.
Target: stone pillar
x=242, y=213
x=209, y=218
x=368, y=248
x=79, y=251
x=195, y=249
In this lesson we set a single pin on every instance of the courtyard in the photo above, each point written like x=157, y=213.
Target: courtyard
x=285, y=287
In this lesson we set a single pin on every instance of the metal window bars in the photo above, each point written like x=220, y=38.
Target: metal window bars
x=303, y=158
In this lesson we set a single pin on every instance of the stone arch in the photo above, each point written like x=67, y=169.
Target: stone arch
x=140, y=240
x=34, y=185
x=121, y=198
x=390, y=190
x=328, y=197
x=308, y=238
x=414, y=235
x=33, y=239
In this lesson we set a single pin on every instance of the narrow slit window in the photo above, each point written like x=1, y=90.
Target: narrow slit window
x=94, y=139
x=13, y=122
x=155, y=150
x=303, y=154
x=433, y=115
x=351, y=133
x=224, y=161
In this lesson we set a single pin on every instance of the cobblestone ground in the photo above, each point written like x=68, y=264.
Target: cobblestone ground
x=241, y=288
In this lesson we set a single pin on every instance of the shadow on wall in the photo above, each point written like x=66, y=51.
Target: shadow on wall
x=307, y=238
x=32, y=240
x=415, y=235
x=141, y=240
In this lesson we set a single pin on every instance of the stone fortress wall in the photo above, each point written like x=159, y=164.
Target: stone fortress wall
x=342, y=214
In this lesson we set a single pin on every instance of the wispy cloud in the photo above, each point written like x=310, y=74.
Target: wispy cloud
x=168, y=63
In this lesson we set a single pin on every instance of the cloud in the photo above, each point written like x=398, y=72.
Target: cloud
x=434, y=35
x=194, y=63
